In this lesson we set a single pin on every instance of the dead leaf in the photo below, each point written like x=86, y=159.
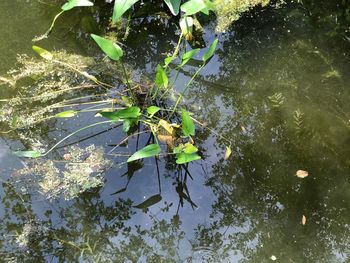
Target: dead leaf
x=168, y=139
x=303, y=220
x=67, y=156
x=301, y=173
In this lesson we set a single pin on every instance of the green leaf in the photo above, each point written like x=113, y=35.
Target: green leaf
x=75, y=3
x=188, y=55
x=194, y=6
x=161, y=77
x=188, y=127
x=112, y=50
x=210, y=52
x=152, y=110
x=43, y=53
x=66, y=114
x=127, y=101
x=174, y=6
x=149, y=202
x=129, y=123
x=148, y=151
x=28, y=154
x=182, y=158
x=190, y=148
x=168, y=60
x=131, y=112
x=120, y=7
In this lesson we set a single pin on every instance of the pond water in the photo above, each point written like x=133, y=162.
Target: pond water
x=277, y=89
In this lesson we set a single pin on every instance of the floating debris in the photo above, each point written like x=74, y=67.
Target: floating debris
x=302, y=174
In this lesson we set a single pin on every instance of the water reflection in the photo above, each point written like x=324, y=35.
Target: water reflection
x=280, y=96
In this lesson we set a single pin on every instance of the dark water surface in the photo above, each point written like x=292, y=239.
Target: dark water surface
x=278, y=89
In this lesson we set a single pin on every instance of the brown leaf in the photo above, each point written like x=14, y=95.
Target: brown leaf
x=168, y=139
x=67, y=156
x=303, y=220
x=301, y=173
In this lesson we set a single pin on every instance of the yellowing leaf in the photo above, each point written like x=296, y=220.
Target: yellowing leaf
x=167, y=126
x=43, y=53
x=227, y=153
x=302, y=174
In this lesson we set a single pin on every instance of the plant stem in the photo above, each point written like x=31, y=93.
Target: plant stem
x=73, y=133
x=47, y=33
x=185, y=89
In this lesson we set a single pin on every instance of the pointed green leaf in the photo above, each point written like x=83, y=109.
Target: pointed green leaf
x=149, y=202
x=148, y=151
x=188, y=127
x=28, y=154
x=190, y=148
x=174, y=6
x=131, y=112
x=120, y=7
x=66, y=114
x=194, y=6
x=168, y=60
x=182, y=158
x=112, y=50
x=161, y=77
x=152, y=110
x=188, y=55
x=43, y=53
x=210, y=52
x=75, y=3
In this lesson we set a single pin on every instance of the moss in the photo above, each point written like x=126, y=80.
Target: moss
x=82, y=170
x=228, y=11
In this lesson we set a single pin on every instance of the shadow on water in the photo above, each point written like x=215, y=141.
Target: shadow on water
x=278, y=90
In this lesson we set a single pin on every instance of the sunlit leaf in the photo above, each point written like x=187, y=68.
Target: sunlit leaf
x=76, y=3
x=149, y=202
x=28, y=154
x=131, y=112
x=168, y=60
x=210, y=52
x=66, y=114
x=152, y=110
x=188, y=127
x=186, y=25
x=161, y=77
x=188, y=55
x=190, y=148
x=227, y=153
x=148, y=151
x=43, y=53
x=182, y=158
x=174, y=6
x=302, y=174
x=194, y=6
x=112, y=50
x=120, y=7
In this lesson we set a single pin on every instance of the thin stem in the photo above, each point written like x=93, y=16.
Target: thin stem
x=185, y=89
x=47, y=33
x=73, y=133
